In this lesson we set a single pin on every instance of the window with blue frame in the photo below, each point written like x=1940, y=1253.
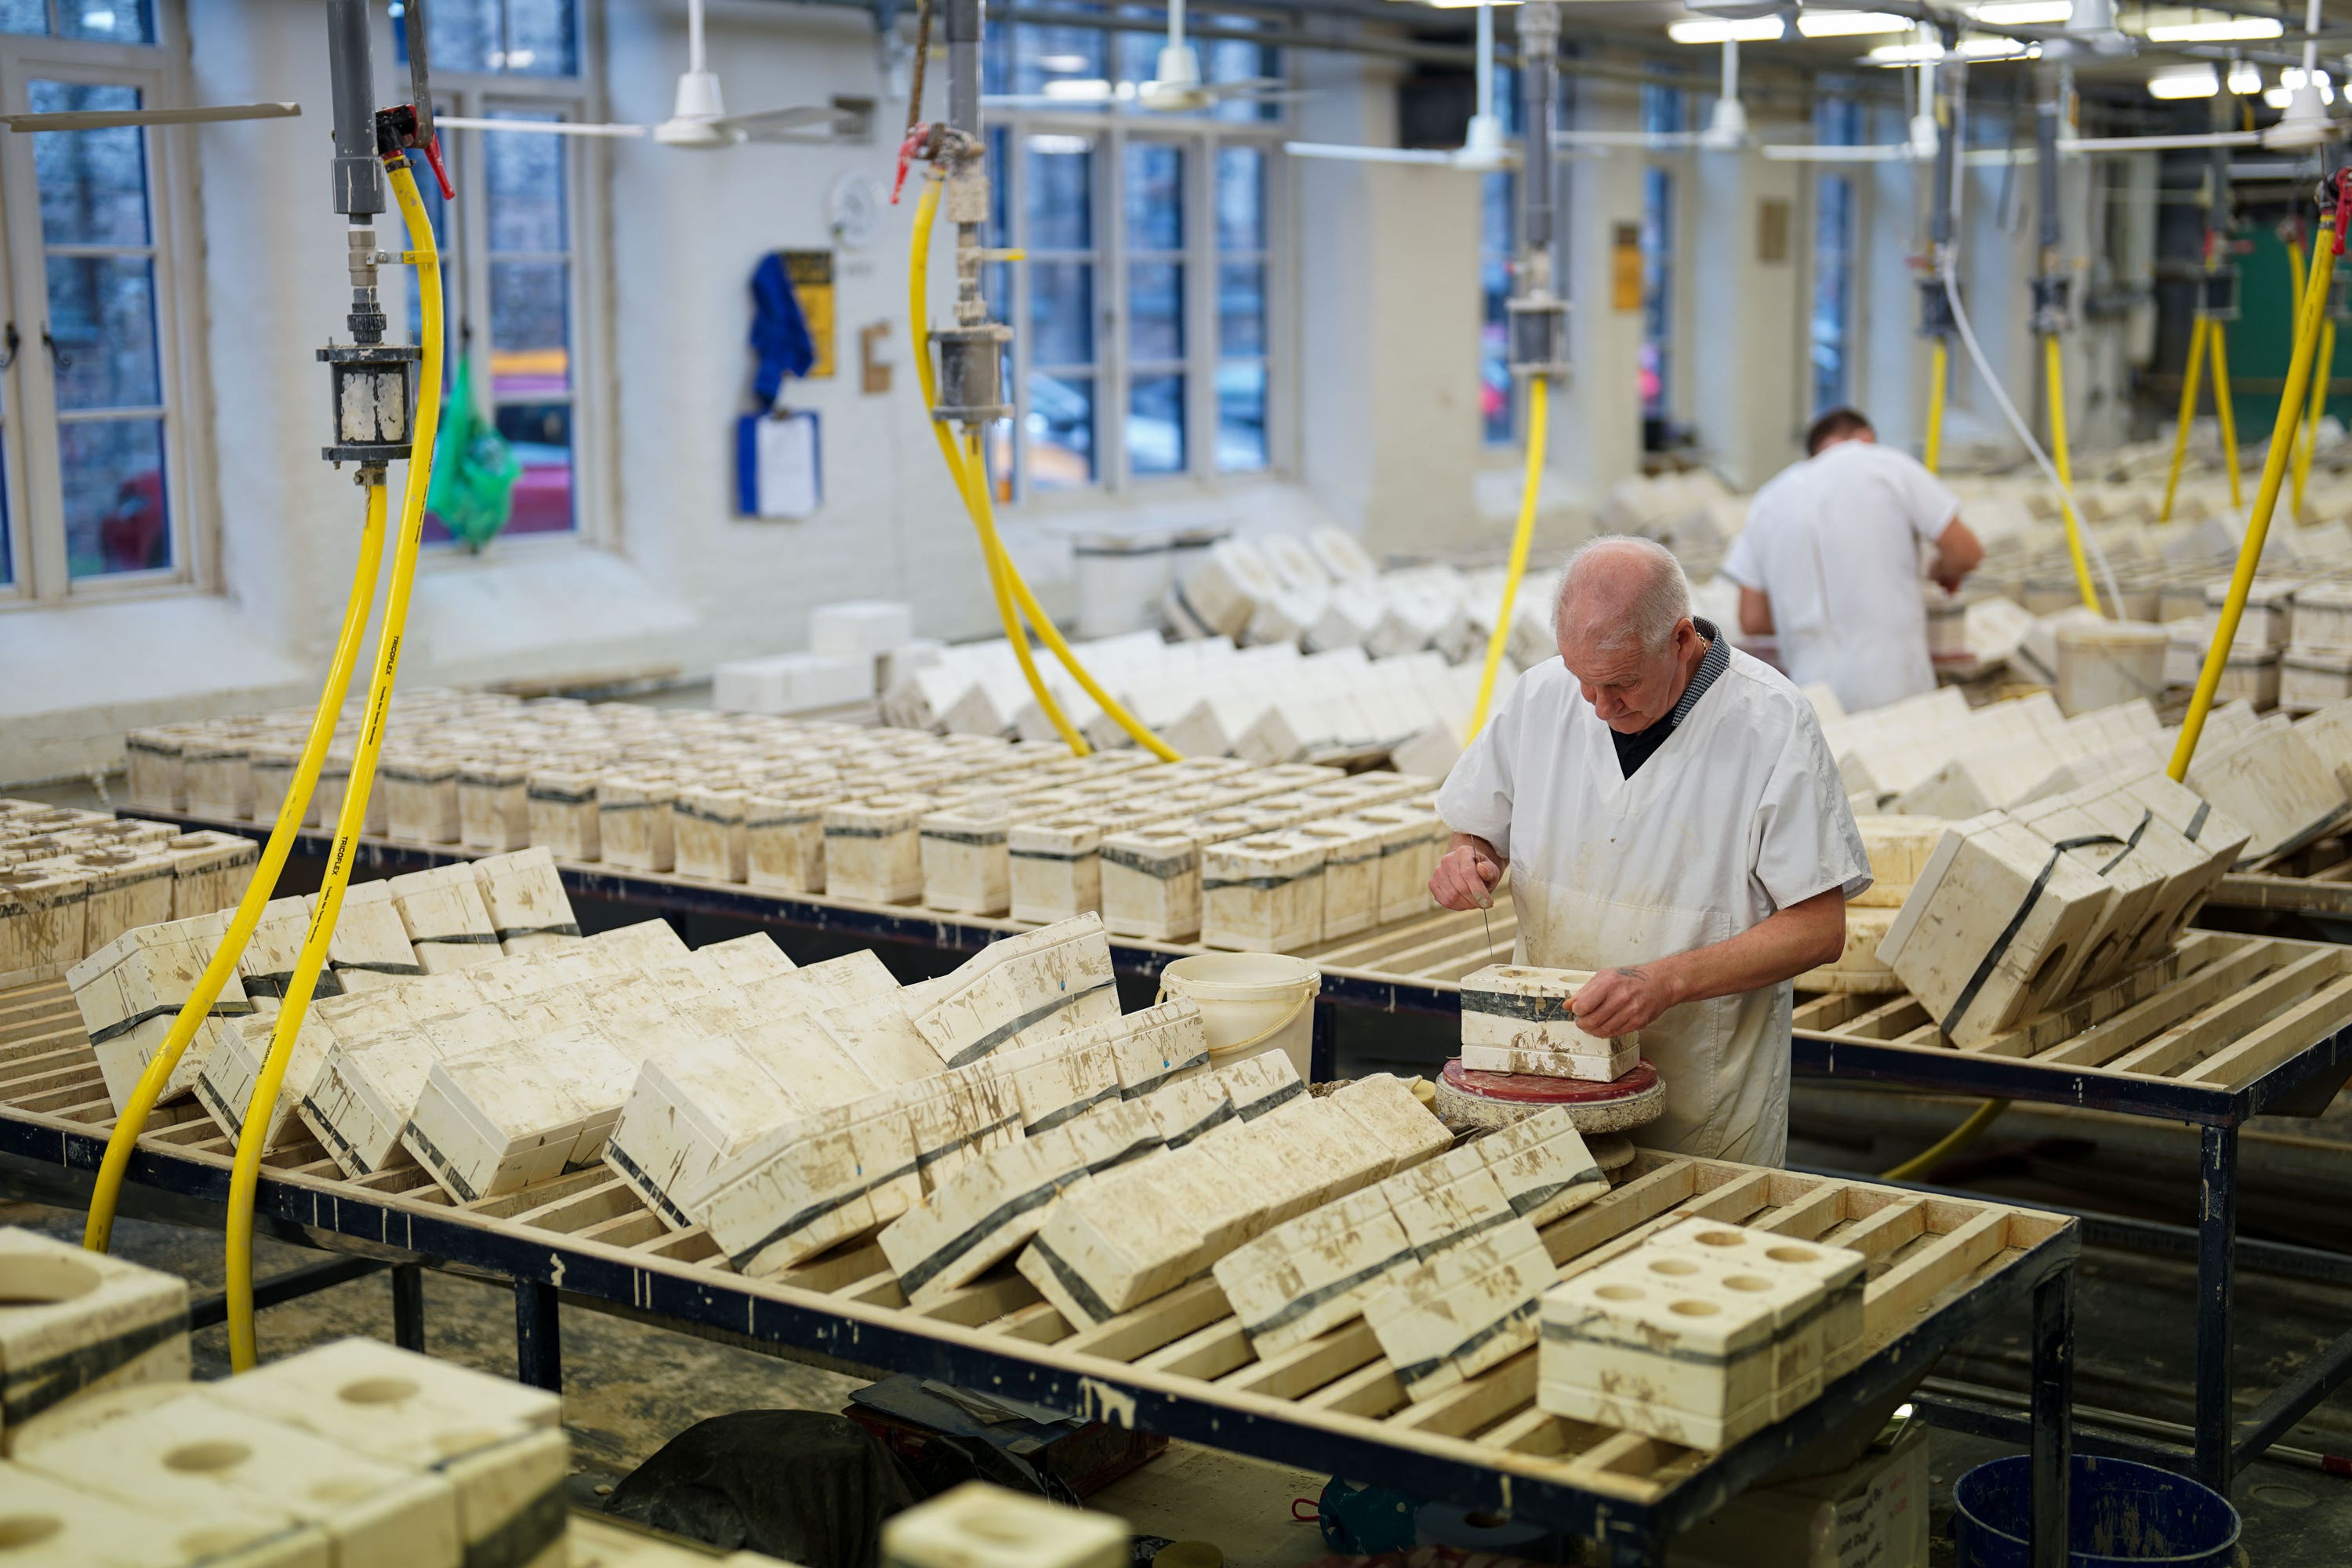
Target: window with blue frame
x=1144, y=344
x=1837, y=123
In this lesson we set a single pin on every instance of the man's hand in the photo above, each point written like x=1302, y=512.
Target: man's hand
x=1465, y=879
x=1617, y=1002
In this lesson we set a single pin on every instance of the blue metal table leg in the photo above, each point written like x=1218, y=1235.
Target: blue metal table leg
x=2217, y=1229
x=539, y=1337
x=408, y=1306
x=2054, y=1406
x=1324, y=1053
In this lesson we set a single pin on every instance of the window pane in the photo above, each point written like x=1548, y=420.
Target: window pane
x=1155, y=311
x=1657, y=288
x=526, y=187
x=1000, y=183
x=1155, y=425
x=117, y=515
x=1496, y=200
x=1154, y=194
x=465, y=34
x=24, y=16
x=115, y=21
x=1061, y=312
x=1061, y=430
x=1231, y=59
x=539, y=35
x=1240, y=198
x=1060, y=195
x=1241, y=416
x=541, y=435
x=530, y=310
x=1043, y=54
x=93, y=184
x=1241, y=308
x=1135, y=57
x=102, y=317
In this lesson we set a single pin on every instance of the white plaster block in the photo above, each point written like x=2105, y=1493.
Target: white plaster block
x=130, y=992
x=43, y=923
x=1022, y=989
x=981, y=1526
x=209, y=872
x=825, y=1179
x=1261, y=1084
x=420, y=795
x=78, y=1322
x=635, y=821
x=1151, y=883
x=526, y=900
x=1056, y=868
x=62, y=1523
x=493, y=804
x=1542, y=1164
x=126, y=888
x=1351, y=874
x=692, y=1108
x=707, y=835
x=562, y=805
x=370, y=950
x=364, y=1094
x=873, y=848
x=2273, y=782
x=1899, y=848
x=1392, y=1118
x=783, y=840
x=216, y=778
x=498, y=1120
x=447, y=923
x=1263, y=894
x=1463, y=1310
x=1517, y=1018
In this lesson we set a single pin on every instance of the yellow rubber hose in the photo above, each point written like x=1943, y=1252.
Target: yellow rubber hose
x=1538, y=420
x=1940, y=366
x=927, y=206
x=2225, y=405
x=2295, y=265
x=2198, y=328
x=983, y=512
x=2055, y=380
x=2322, y=369
x=245, y=1175
x=98, y=1229
x=1950, y=1144
x=2258, y=526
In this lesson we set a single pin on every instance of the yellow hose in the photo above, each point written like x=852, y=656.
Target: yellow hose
x=1950, y=1144
x=1939, y=369
x=245, y=1174
x=1539, y=420
x=2198, y=328
x=926, y=206
x=97, y=1228
x=2295, y=320
x=2225, y=407
x=984, y=517
x=2258, y=526
x=2308, y=447
x=2059, y=460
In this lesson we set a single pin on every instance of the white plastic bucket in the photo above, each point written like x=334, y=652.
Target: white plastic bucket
x=1251, y=1002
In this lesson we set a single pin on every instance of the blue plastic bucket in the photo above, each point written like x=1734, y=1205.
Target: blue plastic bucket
x=2123, y=1514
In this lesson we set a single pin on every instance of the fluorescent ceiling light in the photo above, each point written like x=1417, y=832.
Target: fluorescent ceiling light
x=1848, y=24
x=2230, y=30
x=1080, y=89
x=1708, y=30
x=1991, y=48
x=1906, y=54
x=2292, y=78
x=2196, y=82
x=1063, y=63
x=2245, y=78
x=2022, y=13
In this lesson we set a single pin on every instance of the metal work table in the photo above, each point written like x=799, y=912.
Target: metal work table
x=2226, y=1028
x=1941, y=1268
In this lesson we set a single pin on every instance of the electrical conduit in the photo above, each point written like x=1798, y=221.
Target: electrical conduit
x=245, y=1174
x=98, y=1227
x=2314, y=302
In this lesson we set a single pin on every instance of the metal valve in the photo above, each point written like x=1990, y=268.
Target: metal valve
x=375, y=391
x=1936, y=311
x=1539, y=333
x=2052, y=311
x=2219, y=294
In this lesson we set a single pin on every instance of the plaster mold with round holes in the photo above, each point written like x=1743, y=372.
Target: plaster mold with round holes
x=73, y=1322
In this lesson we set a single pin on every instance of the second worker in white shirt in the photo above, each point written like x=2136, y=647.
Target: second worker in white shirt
x=1829, y=563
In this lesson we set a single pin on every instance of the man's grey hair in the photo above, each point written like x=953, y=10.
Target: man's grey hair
x=1659, y=605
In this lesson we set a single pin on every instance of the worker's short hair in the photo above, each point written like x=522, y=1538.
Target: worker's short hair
x=1661, y=605
x=1835, y=425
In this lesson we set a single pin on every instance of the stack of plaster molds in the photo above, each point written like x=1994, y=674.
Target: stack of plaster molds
x=981, y=1526
x=1263, y=893
x=1517, y=1018
x=2274, y=781
x=1117, y=1239
x=1326, y=1267
x=1899, y=848
x=351, y=1455
x=130, y=992
x=80, y=1323
x=72, y=882
x=1701, y=1334
x=1998, y=928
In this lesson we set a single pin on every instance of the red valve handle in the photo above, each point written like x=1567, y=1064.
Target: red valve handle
x=440, y=171
x=915, y=135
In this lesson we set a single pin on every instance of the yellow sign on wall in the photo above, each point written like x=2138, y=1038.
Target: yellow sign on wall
x=812, y=275
x=1625, y=266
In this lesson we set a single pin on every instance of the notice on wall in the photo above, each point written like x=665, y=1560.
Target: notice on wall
x=1772, y=230
x=812, y=275
x=1625, y=266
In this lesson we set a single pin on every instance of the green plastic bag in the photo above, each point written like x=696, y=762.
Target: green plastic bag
x=473, y=468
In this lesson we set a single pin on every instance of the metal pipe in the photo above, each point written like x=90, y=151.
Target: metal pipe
x=359, y=177
x=2046, y=117
x=1485, y=66
x=1539, y=41
x=963, y=66
x=420, y=70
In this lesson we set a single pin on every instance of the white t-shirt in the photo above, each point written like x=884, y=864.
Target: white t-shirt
x=1834, y=542
x=1739, y=815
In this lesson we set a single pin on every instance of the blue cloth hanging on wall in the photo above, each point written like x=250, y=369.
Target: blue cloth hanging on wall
x=780, y=333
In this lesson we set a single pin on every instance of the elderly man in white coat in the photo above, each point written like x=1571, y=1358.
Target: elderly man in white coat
x=1675, y=825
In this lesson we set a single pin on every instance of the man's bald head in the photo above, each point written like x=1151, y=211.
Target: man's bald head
x=1621, y=593
x=1625, y=629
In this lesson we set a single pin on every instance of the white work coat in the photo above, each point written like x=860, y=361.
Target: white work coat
x=1835, y=542
x=1739, y=815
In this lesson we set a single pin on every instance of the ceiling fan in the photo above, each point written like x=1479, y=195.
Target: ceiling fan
x=699, y=116
x=1726, y=123
x=1176, y=86
x=1484, y=149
